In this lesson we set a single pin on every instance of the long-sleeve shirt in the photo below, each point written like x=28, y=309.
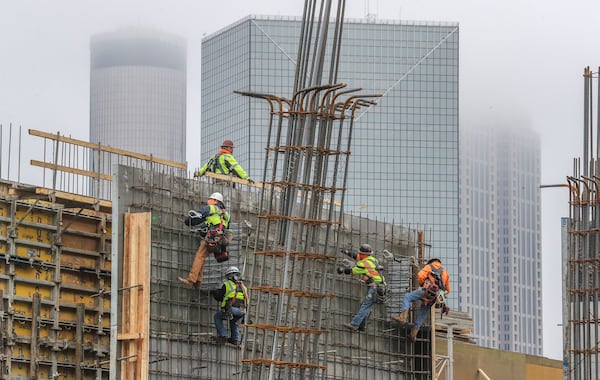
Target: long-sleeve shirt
x=368, y=267
x=223, y=163
x=425, y=274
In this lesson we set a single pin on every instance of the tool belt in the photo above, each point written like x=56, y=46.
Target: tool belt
x=430, y=293
x=381, y=293
x=216, y=243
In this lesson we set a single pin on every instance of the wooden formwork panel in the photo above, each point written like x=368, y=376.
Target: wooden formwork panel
x=55, y=286
x=135, y=320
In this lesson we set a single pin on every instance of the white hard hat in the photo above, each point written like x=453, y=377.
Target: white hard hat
x=232, y=270
x=217, y=196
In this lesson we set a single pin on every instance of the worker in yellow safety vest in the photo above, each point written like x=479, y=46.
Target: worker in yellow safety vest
x=233, y=298
x=212, y=221
x=367, y=267
x=223, y=162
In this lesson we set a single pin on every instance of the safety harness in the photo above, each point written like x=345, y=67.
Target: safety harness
x=215, y=241
x=369, y=263
x=432, y=288
x=239, y=298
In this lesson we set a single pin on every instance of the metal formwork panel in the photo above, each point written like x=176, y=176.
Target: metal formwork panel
x=55, y=285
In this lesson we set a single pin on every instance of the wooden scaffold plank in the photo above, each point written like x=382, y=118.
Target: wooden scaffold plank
x=135, y=320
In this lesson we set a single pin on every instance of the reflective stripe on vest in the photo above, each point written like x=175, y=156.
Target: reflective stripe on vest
x=216, y=215
x=220, y=165
x=232, y=293
x=371, y=264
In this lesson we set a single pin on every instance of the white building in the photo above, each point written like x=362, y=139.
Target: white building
x=500, y=260
x=138, y=93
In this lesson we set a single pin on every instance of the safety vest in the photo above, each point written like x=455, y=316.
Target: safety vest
x=217, y=215
x=224, y=163
x=368, y=267
x=236, y=292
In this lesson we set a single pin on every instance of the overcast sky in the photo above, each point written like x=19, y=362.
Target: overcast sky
x=517, y=57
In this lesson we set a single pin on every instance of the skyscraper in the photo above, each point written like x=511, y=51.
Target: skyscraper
x=138, y=92
x=404, y=163
x=500, y=236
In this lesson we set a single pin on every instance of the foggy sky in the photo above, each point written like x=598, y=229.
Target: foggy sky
x=523, y=56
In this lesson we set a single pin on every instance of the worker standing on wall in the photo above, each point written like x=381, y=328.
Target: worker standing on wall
x=367, y=267
x=212, y=221
x=233, y=297
x=223, y=162
x=433, y=280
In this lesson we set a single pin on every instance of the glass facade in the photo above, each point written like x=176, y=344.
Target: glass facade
x=404, y=163
x=500, y=261
x=138, y=93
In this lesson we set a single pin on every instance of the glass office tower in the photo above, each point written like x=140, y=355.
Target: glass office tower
x=500, y=260
x=404, y=163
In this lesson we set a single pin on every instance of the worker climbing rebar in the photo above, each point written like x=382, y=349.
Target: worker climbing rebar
x=212, y=221
x=367, y=267
x=233, y=298
x=433, y=279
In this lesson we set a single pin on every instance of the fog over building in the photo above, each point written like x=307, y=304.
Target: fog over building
x=138, y=81
x=500, y=260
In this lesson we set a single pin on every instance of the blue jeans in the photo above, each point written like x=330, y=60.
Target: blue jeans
x=360, y=319
x=233, y=323
x=414, y=296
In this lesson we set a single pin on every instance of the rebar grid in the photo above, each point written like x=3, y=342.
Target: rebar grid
x=181, y=342
x=582, y=329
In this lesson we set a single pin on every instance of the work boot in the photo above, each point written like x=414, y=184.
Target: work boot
x=350, y=326
x=220, y=339
x=401, y=317
x=413, y=334
x=236, y=343
x=186, y=281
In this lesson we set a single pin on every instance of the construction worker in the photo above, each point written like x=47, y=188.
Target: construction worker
x=433, y=279
x=223, y=162
x=366, y=267
x=211, y=220
x=233, y=297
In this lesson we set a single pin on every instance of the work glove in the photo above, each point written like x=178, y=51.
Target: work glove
x=344, y=270
x=196, y=173
x=349, y=253
x=368, y=280
x=250, y=180
x=445, y=309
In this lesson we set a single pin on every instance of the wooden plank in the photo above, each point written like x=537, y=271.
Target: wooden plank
x=64, y=196
x=135, y=313
x=103, y=148
x=129, y=336
x=127, y=348
x=67, y=169
x=145, y=254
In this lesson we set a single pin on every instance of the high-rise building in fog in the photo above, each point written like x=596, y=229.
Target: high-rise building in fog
x=404, y=163
x=500, y=260
x=138, y=93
